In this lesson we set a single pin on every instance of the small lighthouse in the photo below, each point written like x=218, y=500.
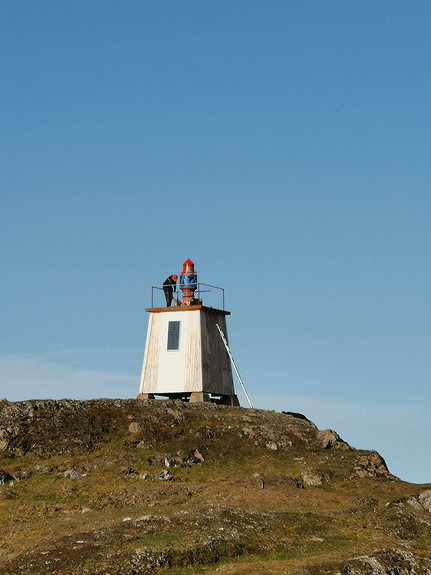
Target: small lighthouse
x=185, y=357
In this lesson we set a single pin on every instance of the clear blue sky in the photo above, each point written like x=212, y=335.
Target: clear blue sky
x=283, y=146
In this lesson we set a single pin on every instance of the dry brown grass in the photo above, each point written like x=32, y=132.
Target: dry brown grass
x=211, y=516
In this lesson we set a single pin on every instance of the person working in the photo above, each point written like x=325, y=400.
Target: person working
x=169, y=286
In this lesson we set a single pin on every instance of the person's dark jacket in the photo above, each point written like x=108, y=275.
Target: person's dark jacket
x=169, y=285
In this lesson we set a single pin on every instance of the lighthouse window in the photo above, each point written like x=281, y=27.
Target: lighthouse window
x=173, y=335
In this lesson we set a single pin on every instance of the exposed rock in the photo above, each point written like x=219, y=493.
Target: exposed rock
x=198, y=455
x=135, y=427
x=4, y=441
x=311, y=478
x=71, y=474
x=5, y=477
x=247, y=432
x=425, y=499
x=296, y=415
x=330, y=439
x=387, y=562
x=371, y=464
x=165, y=475
x=414, y=503
x=143, y=445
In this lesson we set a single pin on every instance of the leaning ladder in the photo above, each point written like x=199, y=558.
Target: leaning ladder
x=234, y=366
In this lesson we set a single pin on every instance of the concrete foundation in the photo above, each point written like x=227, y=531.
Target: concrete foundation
x=199, y=397
x=194, y=397
x=145, y=396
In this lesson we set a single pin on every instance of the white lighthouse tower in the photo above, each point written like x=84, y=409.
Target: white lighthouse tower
x=185, y=357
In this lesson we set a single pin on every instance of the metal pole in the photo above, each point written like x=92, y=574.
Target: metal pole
x=234, y=366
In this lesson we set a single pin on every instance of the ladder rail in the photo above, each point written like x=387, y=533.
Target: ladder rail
x=234, y=365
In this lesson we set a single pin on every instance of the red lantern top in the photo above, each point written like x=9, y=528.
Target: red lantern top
x=188, y=267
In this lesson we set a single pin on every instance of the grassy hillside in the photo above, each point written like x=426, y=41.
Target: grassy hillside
x=127, y=487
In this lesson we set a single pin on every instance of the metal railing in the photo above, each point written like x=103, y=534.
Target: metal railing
x=200, y=289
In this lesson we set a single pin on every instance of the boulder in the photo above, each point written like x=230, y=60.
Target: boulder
x=71, y=474
x=135, y=427
x=311, y=478
x=198, y=455
x=414, y=503
x=425, y=500
x=371, y=464
x=330, y=439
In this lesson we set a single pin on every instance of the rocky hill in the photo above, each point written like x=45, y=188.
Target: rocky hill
x=123, y=487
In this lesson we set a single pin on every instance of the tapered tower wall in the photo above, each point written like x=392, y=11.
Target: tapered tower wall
x=185, y=354
x=216, y=367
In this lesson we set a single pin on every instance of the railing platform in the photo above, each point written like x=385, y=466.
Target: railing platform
x=200, y=289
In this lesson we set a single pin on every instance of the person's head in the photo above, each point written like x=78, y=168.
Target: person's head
x=174, y=277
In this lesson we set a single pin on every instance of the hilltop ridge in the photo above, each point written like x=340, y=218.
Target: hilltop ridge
x=127, y=487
